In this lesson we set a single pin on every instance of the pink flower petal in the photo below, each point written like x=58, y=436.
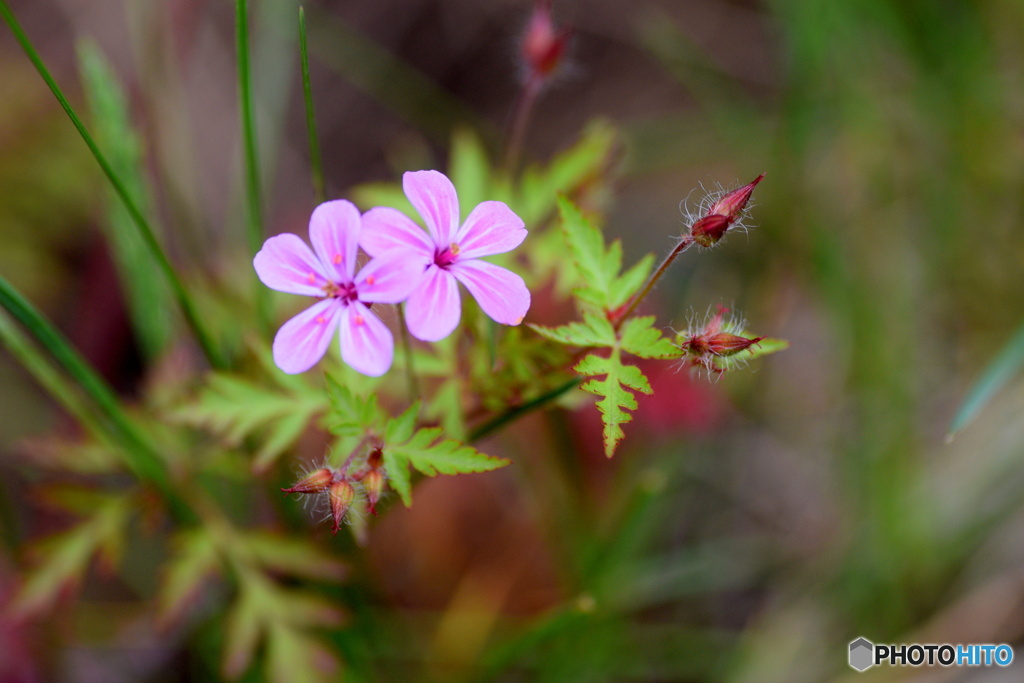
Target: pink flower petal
x=434, y=197
x=334, y=231
x=386, y=228
x=492, y=228
x=366, y=342
x=303, y=340
x=501, y=293
x=390, y=279
x=434, y=309
x=286, y=264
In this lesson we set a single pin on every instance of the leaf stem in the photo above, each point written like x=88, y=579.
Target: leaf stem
x=148, y=236
x=516, y=412
x=319, y=192
x=619, y=317
x=519, y=122
x=410, y=368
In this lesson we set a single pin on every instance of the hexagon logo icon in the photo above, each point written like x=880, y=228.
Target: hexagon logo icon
x=862, y=653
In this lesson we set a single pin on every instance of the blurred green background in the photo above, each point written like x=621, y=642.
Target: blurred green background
x=748, y=529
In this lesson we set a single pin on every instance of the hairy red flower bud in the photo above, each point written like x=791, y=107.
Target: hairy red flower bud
x=341, y=495
x=544, y=44
x=316, y=482
x=722, y=215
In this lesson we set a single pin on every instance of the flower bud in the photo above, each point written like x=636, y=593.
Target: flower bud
x=341, y=495
x=373, y=484
x=724, y=213
x=316, y=482
x=544, y=44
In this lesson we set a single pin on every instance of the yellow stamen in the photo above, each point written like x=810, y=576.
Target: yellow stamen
x=454, y=249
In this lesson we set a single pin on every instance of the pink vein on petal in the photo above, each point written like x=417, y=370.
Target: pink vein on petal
x=287, y=264
x=433, y=309
x=434, y=197
x=303, y=340
x=501, y=293
x=334, y=231
x=366, y=342
x=491, y=228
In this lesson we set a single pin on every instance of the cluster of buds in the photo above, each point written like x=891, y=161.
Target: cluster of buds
x=544, y=45
x=712, y=346
x=720, y=214
x=339, y=487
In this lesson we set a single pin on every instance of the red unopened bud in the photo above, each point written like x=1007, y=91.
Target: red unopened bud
x=316, y=482
x=543, y=43
x=725, y=344
x=708, y=230
x=722, y=215
x=732, y=203
x=341, y=495
x=373, y=483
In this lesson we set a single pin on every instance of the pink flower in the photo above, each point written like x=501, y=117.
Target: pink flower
x=286, y=264
x=447, y=254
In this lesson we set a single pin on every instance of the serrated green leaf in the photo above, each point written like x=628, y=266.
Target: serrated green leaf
x=294, y=557
x=615, y=399
x=351, y=415
x=597, y=268
x=424, y=453
x=297, y=657
x=67, y=556
x=582, y=165
x=640, y=338
x=594, y=331
x=193, y=560
x=630, y=282
x=400, y=429
x=598, y=265
x=235, y=408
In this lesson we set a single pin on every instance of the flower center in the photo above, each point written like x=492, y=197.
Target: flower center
x=445, y=257
x=346, y=292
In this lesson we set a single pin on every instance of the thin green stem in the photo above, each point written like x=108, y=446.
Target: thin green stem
x=140, y=456
x=620, y=317
x=41, y=367
x=148, y=236
x=253, y=193
x=410, y=368
x=316, y=168
x=516, y=412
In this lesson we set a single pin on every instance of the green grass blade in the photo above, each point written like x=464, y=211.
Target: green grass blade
x=148, y=236
x=41, y=367
x=254, y=195
x=139, y=456
x=316, y=167
x=254, y=222
x=1002, y=368
x=146, y=293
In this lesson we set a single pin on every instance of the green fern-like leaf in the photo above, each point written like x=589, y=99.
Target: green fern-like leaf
x=616, y=399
